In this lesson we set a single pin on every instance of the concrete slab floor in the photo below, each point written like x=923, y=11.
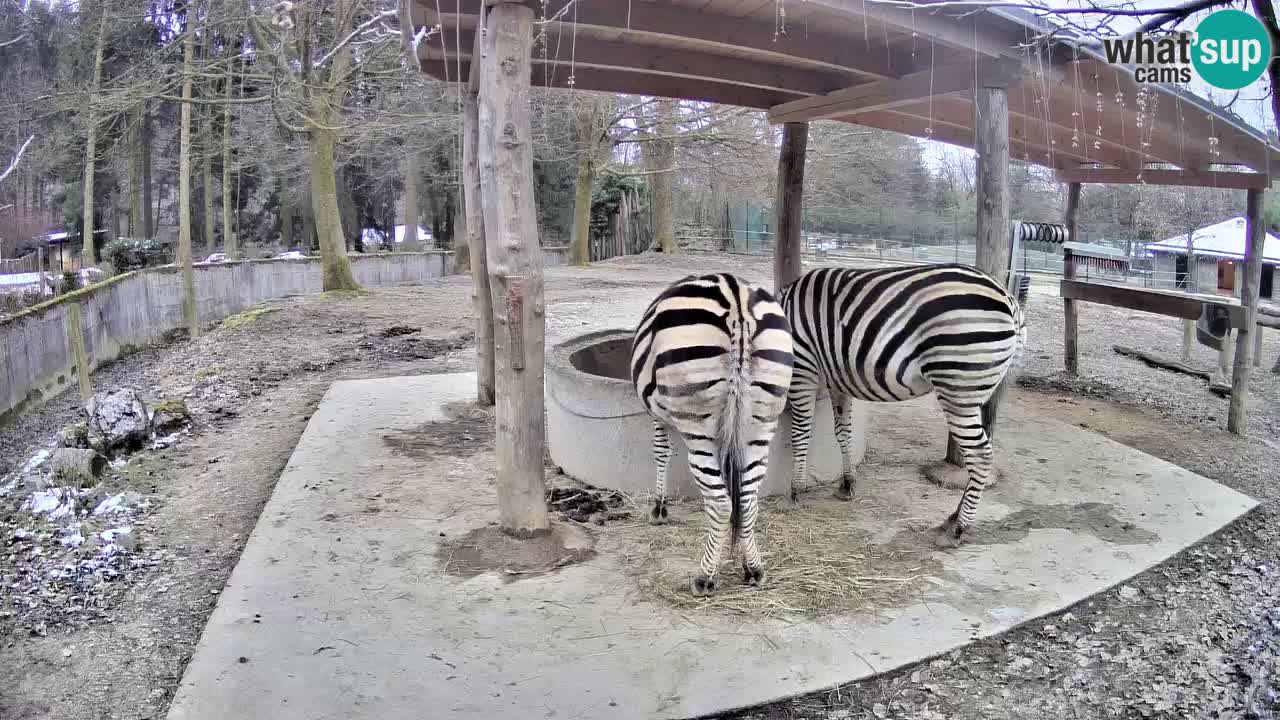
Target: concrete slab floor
x=339, y=607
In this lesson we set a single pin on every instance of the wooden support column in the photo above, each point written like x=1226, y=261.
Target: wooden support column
x=1070, y=311
x=481, y=300
x=515, y=265
x=1251, y=281
x=991, y=134
x=787, y=241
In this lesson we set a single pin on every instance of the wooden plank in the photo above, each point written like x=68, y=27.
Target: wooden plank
x=1070, y=312
x=473, y=208
x=787, y=246
x=1251, y=282
x=75, y=339
x=897, y=92
x=515, y=266
x=1145, y=300
x=691, y=28
x=1192, y=178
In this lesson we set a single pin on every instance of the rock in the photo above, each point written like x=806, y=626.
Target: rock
x=75, y=435
x=35, y=482
x=1128, y=592
x=118, y=420
x=74, y=466
x=169, y=415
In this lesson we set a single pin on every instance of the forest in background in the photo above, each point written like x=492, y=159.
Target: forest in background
x=248, y=127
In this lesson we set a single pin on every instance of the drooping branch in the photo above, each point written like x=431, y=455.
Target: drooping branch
x=16, y=159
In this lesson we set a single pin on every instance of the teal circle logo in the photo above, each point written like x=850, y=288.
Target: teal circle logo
x=1232, y=49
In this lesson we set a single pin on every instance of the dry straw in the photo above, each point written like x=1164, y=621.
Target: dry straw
x=818, y=561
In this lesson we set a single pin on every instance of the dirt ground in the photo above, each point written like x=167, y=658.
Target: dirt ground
x=1196, y=637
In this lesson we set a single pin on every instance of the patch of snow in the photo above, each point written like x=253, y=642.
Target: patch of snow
x=112, y=505
x=32, y=463
x=109, y=536
x=56, y=503
x=70, y=536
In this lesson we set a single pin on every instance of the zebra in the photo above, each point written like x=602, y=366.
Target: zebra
x=711, y=358
x=892, y=334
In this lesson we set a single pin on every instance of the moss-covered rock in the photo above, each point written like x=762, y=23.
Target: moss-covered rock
x=169, y=415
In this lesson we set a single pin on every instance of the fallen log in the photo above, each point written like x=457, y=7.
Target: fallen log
x=1164, y=363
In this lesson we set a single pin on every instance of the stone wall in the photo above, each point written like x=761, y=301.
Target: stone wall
x=139, y=308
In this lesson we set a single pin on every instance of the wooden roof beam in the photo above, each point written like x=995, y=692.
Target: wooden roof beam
x=674, y=62
x=630, y=83
x=1193, y=178
x=873, y=60
x=959, y=78
x=959, y=32
x=957, y=133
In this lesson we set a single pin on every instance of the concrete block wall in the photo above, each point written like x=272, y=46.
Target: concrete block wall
x=138, y=309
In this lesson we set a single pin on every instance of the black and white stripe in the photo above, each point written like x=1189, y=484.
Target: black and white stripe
x=892, y=334
x=712, y=359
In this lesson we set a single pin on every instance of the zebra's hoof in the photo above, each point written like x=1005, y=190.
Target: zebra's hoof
x=658, y=515
x=844, y=491
x=753, y=577
x=948, y=535
x=794, y=499
x=703, y=585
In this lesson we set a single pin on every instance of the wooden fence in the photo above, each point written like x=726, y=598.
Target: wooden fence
x=25, y=264
x=628, y=232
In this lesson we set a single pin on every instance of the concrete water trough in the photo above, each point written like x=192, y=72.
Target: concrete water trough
x=599, y=433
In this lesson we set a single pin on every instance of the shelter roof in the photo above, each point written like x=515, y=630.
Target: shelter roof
x=1222, y=240
x=872, y=64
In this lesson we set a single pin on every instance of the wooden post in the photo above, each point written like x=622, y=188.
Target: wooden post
x=481, y=299
x=515, y=264
x=991, y=132
x=787, y=242
x=75, y=339
x=40, y=269
x=1251, y=281
x=1257, y=346
x=1071, y=311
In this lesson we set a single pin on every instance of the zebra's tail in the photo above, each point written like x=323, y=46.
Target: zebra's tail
x=730, y=438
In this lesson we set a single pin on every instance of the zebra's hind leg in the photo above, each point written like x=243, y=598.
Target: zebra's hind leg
x=756, y=467
x=800, y=400
x=965, y=424
x=718, y=506
x=661, y=456
x=842, y=410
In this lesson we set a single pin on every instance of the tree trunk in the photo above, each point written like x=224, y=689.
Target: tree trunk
x=91, y=145
x=286, y=218
x=481, y=299
x=1070, y=310
x=206, y=181
x=230, y=243
x=580, y=236
x=515, y=266
x=411, y=215
x=137, y=208
x=148, y=221
x=663, y=156
x=189, y=314
x=334, y=263
x=461, y=251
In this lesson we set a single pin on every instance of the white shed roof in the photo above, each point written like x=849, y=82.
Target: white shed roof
x=1224, y=240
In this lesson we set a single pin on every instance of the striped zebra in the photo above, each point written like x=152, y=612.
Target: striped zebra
x=712, y=359
x=892, y=334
